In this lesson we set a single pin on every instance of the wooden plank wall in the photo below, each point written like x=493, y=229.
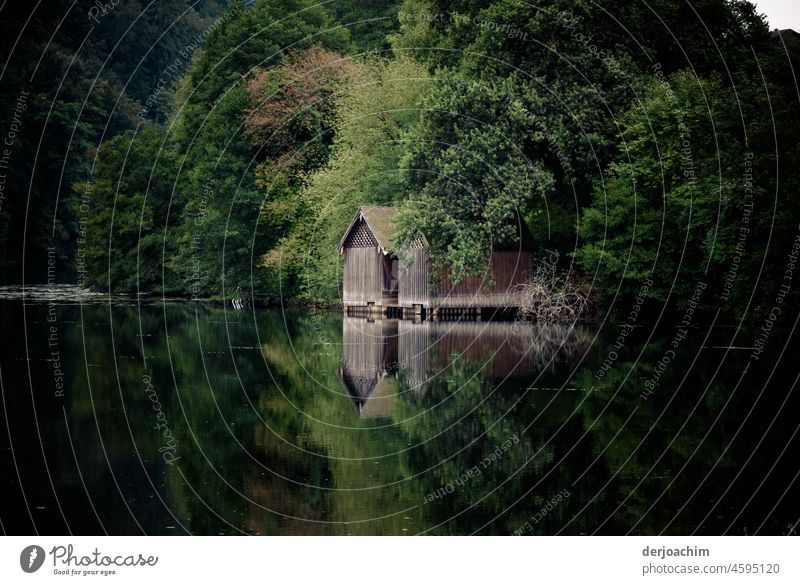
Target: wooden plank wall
x=362, y=276
x=413, y=288
x=365, y=281
x=508, y=269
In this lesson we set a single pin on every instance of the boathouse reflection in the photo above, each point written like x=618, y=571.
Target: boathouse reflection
x=379, y=354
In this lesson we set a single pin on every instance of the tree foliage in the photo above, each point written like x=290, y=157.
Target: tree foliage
x=637, y=139
x=376, y=115
x=84, y=77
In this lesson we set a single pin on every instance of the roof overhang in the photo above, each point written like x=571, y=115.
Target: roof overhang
x=379, y=221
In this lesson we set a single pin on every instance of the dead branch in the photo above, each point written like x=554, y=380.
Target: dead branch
x=547, y=296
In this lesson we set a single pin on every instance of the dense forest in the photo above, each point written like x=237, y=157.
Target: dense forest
x=198, y=149
x=74, y=76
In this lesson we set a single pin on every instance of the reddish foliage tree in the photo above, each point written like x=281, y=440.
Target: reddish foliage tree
x=293, y=110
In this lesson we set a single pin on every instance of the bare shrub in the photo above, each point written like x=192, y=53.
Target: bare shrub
x=548, y=296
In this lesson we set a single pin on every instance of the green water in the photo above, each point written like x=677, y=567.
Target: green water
x=185, y=418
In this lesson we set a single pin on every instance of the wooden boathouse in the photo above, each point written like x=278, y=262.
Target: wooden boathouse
x=376, y=281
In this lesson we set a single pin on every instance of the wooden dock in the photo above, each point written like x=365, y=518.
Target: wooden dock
x=422, y=313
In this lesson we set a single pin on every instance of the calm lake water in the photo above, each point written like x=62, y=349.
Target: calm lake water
x=188, y=418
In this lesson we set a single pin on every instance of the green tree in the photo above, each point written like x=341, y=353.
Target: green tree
x=697, y=199
x=533, y=92
x=370, y=22
x=129, y=233
x=376, y=114
x=81, y=76
x=216, y=188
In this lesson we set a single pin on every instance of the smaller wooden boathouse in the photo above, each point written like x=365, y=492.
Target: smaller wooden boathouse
x=376, y=281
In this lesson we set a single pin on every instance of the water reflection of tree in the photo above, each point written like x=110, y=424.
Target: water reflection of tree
x=472, y=407
x=273, y=443
x=563, y=343
x=673, y=460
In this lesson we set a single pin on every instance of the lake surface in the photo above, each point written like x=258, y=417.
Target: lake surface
x=185, y=418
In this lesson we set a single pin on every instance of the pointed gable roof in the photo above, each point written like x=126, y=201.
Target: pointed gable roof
x=380, y=222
